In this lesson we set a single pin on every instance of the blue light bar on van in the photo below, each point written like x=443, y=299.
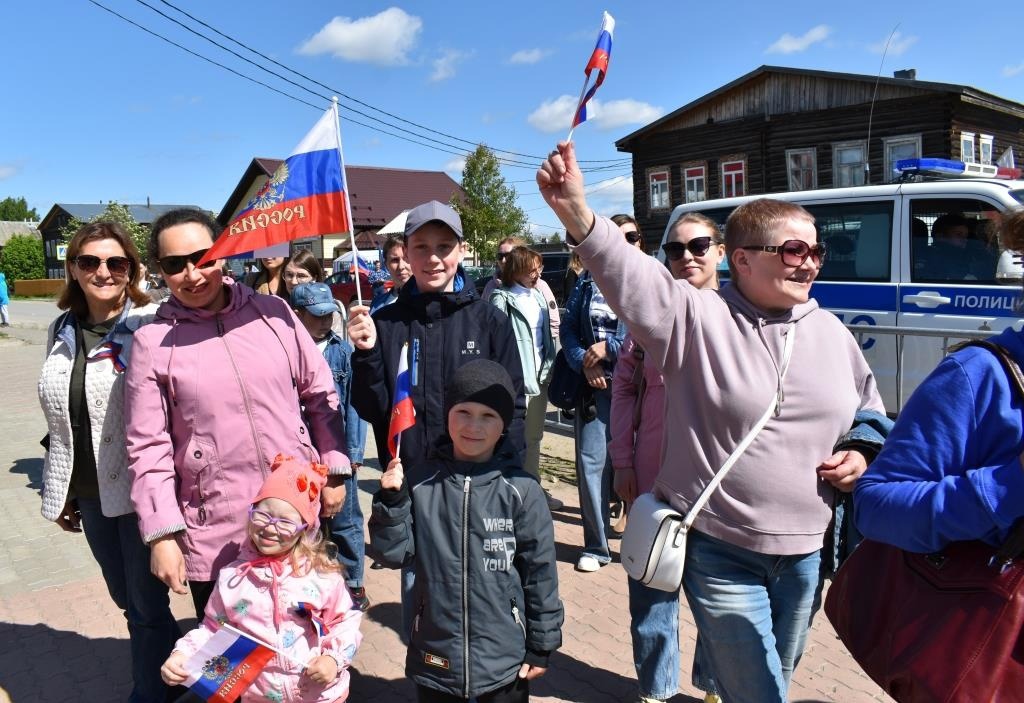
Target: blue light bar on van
x=954, y=169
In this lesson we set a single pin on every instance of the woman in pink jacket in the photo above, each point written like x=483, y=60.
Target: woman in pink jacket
x=284, y=591
x=694, y=249
x=221, y=381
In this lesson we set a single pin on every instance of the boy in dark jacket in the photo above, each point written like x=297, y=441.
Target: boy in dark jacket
x=477, y=528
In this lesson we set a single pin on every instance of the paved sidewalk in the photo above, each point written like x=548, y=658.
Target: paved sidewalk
x=62, y=639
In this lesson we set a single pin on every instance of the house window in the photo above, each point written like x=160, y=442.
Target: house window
x=848, y=159
x=985, y=146
x=658, y=183
x=733, y=178
x=694, y=178
x=907, y=146
x=967, y=147
x=803, y=169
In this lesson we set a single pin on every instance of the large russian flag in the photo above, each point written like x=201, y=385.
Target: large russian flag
x=305, y=197
x=403, y=414
x=224, y=668
x=599, y=62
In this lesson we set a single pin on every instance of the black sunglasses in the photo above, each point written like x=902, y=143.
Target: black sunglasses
x=116, y=265
x=172, y=265
x=698, y=246
x=794, y=252
x=633, y=237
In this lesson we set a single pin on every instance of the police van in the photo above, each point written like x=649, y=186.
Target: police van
x=919, y=259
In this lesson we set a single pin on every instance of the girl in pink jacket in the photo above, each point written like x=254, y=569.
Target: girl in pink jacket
x=286, y=591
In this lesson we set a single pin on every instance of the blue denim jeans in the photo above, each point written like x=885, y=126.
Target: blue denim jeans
x=355, y=435
x=752, y=611
x=594, y=476
x=654, y=628
x=347, y=534
x=118, y=548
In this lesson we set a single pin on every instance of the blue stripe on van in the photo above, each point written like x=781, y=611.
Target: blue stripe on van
x=976, y=301
x=860, y=296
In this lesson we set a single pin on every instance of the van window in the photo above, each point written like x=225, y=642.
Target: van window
x=955, y=240
x=858, y=237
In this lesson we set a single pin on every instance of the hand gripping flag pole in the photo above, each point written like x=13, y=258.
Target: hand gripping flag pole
x=598, y=60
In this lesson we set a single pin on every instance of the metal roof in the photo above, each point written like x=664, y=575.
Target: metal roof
x=143, y=214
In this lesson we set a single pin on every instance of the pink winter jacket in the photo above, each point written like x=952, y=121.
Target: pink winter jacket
x=260, y=596
x=211, y=398
x=639, y=450
x=720, y=356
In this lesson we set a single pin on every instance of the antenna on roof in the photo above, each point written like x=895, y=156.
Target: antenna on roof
x=871, y=112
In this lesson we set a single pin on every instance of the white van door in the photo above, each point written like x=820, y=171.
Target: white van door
x=950, y=279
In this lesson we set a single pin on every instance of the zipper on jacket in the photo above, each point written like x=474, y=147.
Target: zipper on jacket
x=245, y=396
x=202, y=499
x=515, y=616
x=465, y=583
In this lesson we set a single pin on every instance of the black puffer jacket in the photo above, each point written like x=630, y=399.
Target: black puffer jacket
x=482, y=544
x=449, y=329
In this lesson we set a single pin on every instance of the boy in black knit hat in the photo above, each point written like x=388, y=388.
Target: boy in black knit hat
x=478, y=530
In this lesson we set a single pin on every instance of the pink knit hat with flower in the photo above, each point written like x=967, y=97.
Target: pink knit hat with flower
x=298, y=483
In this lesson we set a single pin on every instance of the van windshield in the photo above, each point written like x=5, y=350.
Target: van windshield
x=1018, y=194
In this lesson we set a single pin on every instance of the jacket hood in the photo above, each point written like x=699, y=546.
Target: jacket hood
x=1013, y=342
x=732, y=295
x=461, y=294
x=173, y=309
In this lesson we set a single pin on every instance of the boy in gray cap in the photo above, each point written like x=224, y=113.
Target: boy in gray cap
x=491, y=635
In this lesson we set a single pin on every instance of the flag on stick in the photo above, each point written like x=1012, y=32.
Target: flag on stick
x=305, y=197
x=403, y=414
x=599, y=62
x=224, y=668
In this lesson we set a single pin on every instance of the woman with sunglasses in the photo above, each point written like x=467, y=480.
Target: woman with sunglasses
x=224, y=379
x=86, y=481
x=693, y=251
x=753, y=555
x=591, y=336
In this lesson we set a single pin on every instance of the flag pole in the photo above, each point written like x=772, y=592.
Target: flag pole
x=583, y=91
x=348, y=204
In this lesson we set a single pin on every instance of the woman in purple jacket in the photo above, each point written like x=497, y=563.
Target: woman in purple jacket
x=214, y=393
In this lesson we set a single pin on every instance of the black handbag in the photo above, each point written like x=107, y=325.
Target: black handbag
x=567, y=387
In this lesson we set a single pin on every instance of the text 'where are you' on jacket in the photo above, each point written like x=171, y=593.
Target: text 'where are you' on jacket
x=480, y=539
x=449, y=330
x=211, y=399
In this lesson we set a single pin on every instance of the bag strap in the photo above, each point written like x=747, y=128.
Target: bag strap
x=772, y=409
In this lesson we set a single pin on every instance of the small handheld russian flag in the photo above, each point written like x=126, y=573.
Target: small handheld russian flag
x=403, y=414
x=224, y=668
x=599, y=62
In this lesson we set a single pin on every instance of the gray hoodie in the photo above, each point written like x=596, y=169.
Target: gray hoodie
x=720, y=356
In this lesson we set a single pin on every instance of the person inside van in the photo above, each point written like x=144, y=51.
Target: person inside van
x=955, y=255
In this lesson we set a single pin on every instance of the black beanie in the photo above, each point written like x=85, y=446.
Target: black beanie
x=485, y=382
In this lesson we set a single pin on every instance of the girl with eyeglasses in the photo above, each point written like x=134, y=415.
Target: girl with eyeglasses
x=86, y=480
x=224, y=380
x=286, y=590
x=693, y=251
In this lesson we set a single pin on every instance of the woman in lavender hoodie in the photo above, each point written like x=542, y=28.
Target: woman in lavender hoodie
x=753, y=558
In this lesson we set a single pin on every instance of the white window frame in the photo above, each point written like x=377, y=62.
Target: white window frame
x=729, y=181
x=790, y=153
x=657, y=198
x=690, y=176
x=888, y=142
x=986, y=140
x=967, y=138
x=840, y=146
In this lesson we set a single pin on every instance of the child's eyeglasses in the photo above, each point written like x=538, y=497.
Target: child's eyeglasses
x=172, y=265
x=698, y=246
x=116, y=265
x=794, y=252
x=282, y=526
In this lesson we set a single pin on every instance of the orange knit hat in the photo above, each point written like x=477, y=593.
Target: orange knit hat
x=298, y=483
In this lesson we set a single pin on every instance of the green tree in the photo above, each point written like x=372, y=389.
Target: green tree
x=22, y=259
x=114, y=212
x=17, y=210
x=489, y=212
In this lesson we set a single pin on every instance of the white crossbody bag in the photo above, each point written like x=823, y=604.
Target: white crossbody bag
x=653, y=549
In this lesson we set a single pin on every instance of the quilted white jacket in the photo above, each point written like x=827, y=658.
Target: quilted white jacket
x=104, y=392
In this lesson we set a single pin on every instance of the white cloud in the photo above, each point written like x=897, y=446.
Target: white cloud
x=1011, y=71
x=788, y=44
x=897, y=45
x=556, y=115
x=7, y=171
x=455, y=166
x=612, y=197
x=384, y=39
x=444, y=65
x=527, y=56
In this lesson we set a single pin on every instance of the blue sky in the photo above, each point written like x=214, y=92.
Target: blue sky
x=98, y=110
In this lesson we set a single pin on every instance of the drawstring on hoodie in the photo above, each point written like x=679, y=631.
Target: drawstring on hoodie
x=780, y=394
x=295, y=383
